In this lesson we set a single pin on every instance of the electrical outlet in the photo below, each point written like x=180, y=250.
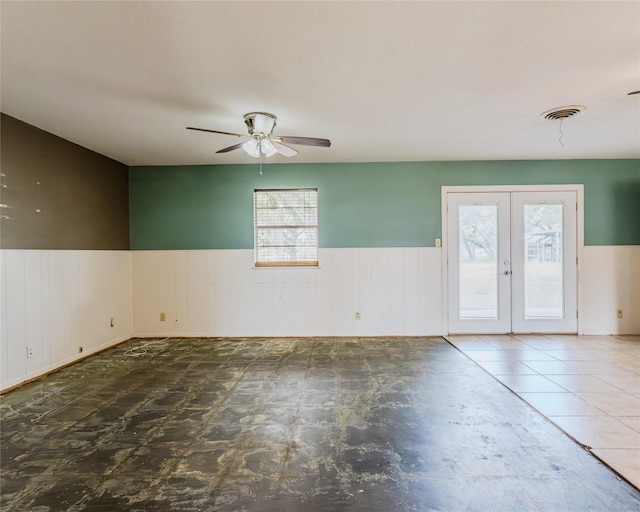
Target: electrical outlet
x=619, y=313
x=357, y=315
x=29, y=352
x=163, y=317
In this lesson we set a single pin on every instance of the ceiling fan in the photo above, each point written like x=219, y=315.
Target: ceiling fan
x=261, y=140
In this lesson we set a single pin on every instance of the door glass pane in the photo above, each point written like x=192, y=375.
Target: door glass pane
x=543, y=265
x=478, y=264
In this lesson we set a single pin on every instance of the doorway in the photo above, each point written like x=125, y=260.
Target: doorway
x=511, y=262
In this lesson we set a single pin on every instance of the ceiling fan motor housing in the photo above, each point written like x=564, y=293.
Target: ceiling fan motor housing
x=260, y=123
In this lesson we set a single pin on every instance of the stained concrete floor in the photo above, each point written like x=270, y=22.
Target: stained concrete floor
x=393, y=424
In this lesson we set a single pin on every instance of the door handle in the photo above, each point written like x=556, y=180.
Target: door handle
x=507, y=272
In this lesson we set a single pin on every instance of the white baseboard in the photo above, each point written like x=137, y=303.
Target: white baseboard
x=41, y=372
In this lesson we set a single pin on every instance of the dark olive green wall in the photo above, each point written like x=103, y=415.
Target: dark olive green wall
x=364, y=204
x=82, y=196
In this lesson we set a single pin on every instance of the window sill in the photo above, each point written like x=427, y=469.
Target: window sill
x=300, y=265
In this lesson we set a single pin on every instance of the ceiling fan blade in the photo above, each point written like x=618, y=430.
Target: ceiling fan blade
x=284, y=150
x=231, y=148
x=215, y=131
x=305, y=141
x=263, y=124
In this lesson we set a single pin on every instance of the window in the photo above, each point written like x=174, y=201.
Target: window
x=285, y=227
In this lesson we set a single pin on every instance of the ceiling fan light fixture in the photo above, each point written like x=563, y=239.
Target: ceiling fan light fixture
x=267, y=148
x=252, y=148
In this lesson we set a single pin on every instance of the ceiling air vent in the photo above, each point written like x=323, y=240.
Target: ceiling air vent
x=563, y=112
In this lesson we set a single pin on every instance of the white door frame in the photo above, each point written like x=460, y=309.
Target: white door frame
x=445, y=190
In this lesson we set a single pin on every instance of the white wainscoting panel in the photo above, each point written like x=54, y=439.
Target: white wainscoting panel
x=398, y=291
x=610, y=280
x=56, y=302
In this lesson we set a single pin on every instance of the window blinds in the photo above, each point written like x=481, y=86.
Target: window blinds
x=286, y=227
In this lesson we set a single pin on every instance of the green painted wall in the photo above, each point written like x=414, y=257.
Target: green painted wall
x=362, y=204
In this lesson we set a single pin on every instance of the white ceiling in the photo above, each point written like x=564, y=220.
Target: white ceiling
x=385, y=81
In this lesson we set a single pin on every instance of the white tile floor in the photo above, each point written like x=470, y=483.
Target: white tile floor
x=589, y=386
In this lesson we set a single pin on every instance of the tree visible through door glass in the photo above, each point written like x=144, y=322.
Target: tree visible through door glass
x=478, y=261
x=543, y=261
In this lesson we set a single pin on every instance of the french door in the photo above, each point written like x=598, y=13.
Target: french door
x=512, y=262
